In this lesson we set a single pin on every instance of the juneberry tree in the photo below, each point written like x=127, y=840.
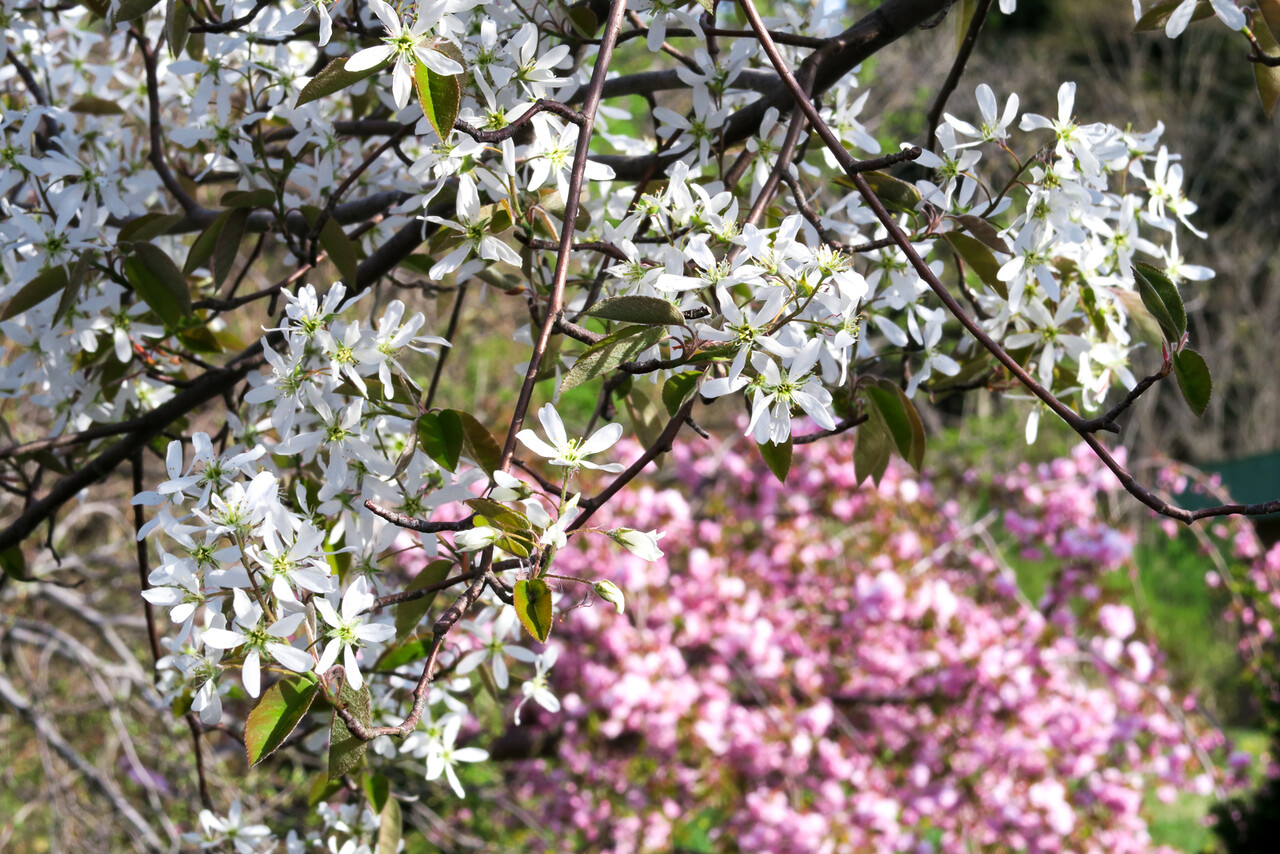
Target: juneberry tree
x=239, y=241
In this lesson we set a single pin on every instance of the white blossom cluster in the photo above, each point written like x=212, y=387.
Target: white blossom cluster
x=269, y=558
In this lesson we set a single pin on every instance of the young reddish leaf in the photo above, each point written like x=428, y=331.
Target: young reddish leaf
x=440, y=96
x=278, y=712
x=410, y=613
x=1193, y=379
x=345, y=750
x=777, y=457
x=334, y=77
x=533, y=607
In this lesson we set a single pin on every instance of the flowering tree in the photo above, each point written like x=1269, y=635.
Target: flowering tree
x=177, y=177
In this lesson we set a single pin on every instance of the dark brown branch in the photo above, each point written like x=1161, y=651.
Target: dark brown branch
x=957, y=69
x=422, y=526
x=1108, y=420
x=540, y=105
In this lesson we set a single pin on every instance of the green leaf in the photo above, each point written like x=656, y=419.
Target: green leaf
x=227, y=244
x=409, y=614
x=440, y=96
x=1160, y=296
x=984, y=231
x=278, y=712
x=1157, y=16
x=895, y=193
x=441, y=436
x=646, y=417
x=377, y=788
x=480, y=444
x=901, y=420
x=533, y=607
x=260, y=198
x=500, y=516
x=148, y=226
x=13, y=563
x=36, y=291
x=980, y=260
x=1266, y=76
x=611, y=351
x=71, y=293
x=651, y=311
x=871, y=448
x=334, y=77
x=677, y=389
x=177, y=26
x=777, y=458
x=202, y=249
x=586, y=24
x=91, y=105
x=401, y=654
x=159, y=282
x=1193, y=379
x=1271, y=15
x=390, y=827
x=322, y=789
x=963, y=17
x=334, y=241
x=130, y=9
x=345, y=750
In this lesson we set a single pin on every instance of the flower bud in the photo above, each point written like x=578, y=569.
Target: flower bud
x=609, y=592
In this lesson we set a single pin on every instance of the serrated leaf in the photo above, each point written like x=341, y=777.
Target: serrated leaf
x=984, y=231
x=91, y=105
x=280, y=709
x=980, y=260
x=1157, y=16
x=44, y=286
x=148, y=226
x=533, y=607
x=611, y=351
x=345, y=750
x=651, y=311
x=480, y=444
x=871, y=448
x=390, y=827
x=440, y=435
x=409, y=614
x=159, y=282
x=260, y=198
x=440, y=96
x=1194, y=380
x=227, y=244
x=777, y=457
x=1160, y=296
x=334, y=77
x=1266, y=76
x=677, y=389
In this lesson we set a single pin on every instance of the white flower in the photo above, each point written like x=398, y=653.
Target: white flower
x=643, y=544
x=1226, y=10
x=350, y=630
x=407, y=46
x=493, y=629
x=572, y=453
x=442, y=756
x=258, y=639
x=536, y=689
